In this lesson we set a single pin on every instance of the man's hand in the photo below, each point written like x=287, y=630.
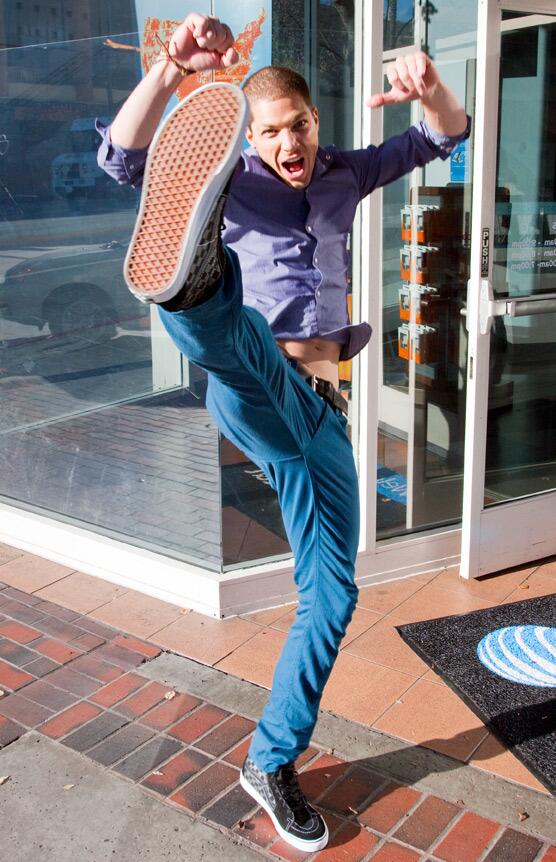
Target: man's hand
x=414, y=76
x=202, y=43
x=411, y=76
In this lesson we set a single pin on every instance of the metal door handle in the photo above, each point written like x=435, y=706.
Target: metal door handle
x=517, y=306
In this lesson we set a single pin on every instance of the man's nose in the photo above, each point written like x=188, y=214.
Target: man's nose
x=289, y=140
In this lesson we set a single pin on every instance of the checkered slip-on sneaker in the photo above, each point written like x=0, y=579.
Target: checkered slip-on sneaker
x=176, y=243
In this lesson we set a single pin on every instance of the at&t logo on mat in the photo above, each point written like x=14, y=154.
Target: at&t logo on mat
x=522, y=654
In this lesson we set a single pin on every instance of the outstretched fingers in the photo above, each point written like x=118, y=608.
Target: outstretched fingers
x=399, y=76
x=417, y=68
x=408, y=77
x=400, y=90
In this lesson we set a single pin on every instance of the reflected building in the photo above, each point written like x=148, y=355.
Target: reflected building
x=55, y=70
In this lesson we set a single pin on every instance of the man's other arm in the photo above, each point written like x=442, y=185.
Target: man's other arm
x=445, y=124
x=414, y=76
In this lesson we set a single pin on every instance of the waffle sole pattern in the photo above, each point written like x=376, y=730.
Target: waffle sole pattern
x=190, y=161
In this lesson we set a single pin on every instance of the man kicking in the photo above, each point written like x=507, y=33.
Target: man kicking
x=245, y=253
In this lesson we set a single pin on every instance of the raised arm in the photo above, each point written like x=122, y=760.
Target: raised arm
x=200, y=43
x=414, y=76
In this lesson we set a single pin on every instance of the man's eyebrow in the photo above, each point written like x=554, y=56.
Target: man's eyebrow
x=301, y=116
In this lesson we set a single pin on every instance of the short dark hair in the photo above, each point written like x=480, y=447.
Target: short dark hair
x=276, y=82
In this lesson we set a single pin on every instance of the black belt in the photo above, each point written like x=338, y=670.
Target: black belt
x=326, y=390
x=322, y=387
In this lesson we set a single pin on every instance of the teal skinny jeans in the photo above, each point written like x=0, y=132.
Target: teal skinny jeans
x=261, y=404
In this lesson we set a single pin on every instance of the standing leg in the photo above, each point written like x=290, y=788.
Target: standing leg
x=319, y=498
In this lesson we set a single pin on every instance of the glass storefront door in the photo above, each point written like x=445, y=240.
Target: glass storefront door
x=510, y=459
x=426, y=219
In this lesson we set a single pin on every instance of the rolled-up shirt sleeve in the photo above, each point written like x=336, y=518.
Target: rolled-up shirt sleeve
x=125, y=166
x=420, y=144
x=444, y=144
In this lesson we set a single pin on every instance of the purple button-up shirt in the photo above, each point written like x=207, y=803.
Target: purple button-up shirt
x=292, y=243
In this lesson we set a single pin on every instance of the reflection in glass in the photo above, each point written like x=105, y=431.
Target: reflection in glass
x=100, y=424
x=399, y=23
x=323, y=53
x=521, y=447
x=94, y=424
x=442, y=21
x=426, y=251
x=70, y=328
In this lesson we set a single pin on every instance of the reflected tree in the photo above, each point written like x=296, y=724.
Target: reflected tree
x=397, y=33
x=428, y=10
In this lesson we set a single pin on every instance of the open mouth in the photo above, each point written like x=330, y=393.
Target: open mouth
x=294, y=167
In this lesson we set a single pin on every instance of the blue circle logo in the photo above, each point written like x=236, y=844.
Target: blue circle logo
x=522, y=654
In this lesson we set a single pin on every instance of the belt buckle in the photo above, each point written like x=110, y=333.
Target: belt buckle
x=325, y=388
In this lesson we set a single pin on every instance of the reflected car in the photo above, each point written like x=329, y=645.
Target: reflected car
x=73, y=290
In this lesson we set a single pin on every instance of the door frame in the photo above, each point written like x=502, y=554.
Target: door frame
x=511, y=533
x=424, y=550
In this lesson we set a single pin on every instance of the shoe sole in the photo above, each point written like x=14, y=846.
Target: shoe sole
x=298, y=843
x=189, y=162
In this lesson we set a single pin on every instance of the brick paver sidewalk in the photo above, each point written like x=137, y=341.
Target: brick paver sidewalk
x=76, y=681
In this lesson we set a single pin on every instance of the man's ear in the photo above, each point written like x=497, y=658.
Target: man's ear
x=249, y=134
x=315, y=113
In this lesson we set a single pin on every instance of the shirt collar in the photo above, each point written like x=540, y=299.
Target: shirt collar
x=323, y=162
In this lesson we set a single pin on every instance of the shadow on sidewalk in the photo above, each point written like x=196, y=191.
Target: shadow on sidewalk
x=355, y=791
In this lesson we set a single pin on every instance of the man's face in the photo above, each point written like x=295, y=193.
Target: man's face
x=285, y=133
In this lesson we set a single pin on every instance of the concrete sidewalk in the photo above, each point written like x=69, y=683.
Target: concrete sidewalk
x=99, y=817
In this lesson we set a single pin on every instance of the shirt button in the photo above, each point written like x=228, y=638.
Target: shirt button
x=309, y=228
x=328, y=157
x=316, y=261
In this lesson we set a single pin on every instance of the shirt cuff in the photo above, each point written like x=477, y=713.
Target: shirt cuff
x=444, y=143
x=132, y=160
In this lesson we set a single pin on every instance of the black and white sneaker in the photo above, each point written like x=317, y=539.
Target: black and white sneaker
x=176, y=246
x=280, y=795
